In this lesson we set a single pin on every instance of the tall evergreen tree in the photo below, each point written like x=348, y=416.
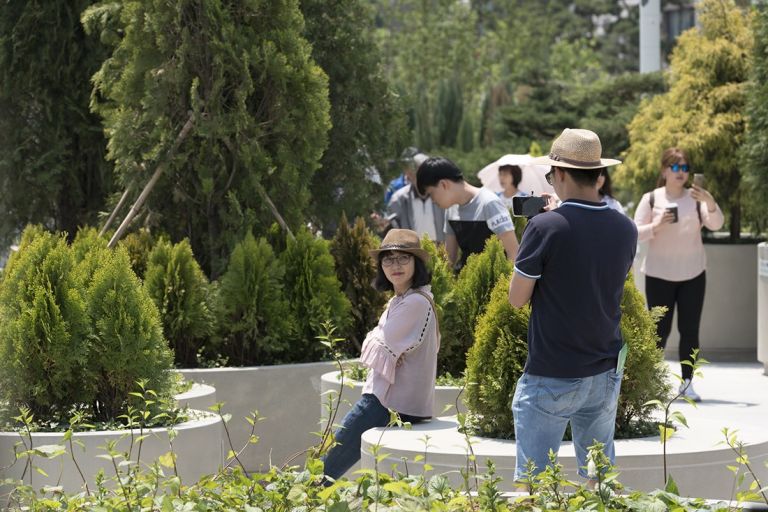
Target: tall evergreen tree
x=756, y=145
x=244, y=72
x=52, y=167
x=367, y=116
x=703, y=112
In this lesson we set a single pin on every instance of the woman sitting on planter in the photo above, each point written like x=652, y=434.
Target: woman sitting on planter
x=401, y=351
x=671, y=218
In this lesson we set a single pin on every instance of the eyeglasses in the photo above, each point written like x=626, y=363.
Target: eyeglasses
x=402, y=259
x=679, y=167
x=548, y=177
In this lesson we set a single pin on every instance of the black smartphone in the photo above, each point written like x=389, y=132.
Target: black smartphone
x=527, y=206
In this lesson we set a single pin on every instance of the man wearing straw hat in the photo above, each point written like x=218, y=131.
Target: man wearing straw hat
x=571, y=266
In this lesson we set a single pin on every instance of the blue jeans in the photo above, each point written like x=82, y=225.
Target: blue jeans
x=543, y=406
x=366, y=414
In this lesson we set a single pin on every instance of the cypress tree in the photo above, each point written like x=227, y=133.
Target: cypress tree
x=368, y=122
x=258, y=101
x=52, y=167
x=756, y=144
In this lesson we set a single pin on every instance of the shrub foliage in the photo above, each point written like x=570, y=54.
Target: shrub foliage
x=314, y=293
x=467, y=302
x=181, y=292
x=77, y=330
x=498, y=357
x=356, y=271
x=254, y=315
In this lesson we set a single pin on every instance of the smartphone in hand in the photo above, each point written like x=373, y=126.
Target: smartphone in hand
x=528, y=206
x=698, y=179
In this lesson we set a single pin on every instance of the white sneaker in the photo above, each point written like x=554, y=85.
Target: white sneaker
x=686, y=388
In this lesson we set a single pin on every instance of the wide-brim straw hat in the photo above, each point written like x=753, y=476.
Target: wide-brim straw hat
x=403, y=240
x=576, y=149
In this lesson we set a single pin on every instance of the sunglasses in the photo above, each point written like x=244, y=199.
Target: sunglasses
x=548, y=177
x=679, y=167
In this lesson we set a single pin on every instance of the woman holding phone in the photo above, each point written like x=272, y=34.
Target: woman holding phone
x=670, y=218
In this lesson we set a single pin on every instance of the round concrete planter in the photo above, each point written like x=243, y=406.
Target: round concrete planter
x=199, y=396
x=735, y=396
x=285, y=396
x=330, y=387
x=197, y=446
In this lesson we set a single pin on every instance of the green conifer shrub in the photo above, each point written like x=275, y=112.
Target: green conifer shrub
x=356, y=271
x=255, y=322
x=138, y=244
x=467, y=303
x=443, y=278
x=498, y=357
x=181, y=292
x=260, y=106
x=126, y=337
x=88, y=249
x=495, y=362
x=314, y=294
x=44, y=330
x=645, y=373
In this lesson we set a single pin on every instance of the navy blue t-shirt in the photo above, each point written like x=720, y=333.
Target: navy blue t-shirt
x=579, y=254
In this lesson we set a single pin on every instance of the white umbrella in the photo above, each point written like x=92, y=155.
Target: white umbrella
x=533, y=181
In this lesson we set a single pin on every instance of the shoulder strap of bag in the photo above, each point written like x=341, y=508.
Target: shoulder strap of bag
x=434, y=309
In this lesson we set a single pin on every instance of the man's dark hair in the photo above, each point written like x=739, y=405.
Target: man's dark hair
x=433, y=170
x=583, y=177
x=421, y=275
x=517, y=173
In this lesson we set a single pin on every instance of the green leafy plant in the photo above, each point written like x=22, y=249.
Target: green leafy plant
x=182, y=294
x=467, y=302
x=45, y=329
x=78, y=330
x=314, y=294
x=139, y=245
x=495, y=362
x=255, y=324
x=356, y=271
x=673, y=419
x=126, y=337
x=497, y=359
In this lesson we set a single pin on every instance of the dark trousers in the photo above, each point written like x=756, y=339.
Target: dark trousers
x=689, y=298
x=366, y=414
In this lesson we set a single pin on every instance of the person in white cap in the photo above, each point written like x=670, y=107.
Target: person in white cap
x=571, y=266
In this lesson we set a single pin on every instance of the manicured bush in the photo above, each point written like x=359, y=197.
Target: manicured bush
x=645, y=373
x=467, y=302
x=126, y=337
x=44, y=329
x=138, y=244
x=356, y=271
x=88, y=251
x=443, y=278
x=181, y=292
x=77, y=330
x=495, y=362
x=313, y=292
x=498, y=357
x=255, y=322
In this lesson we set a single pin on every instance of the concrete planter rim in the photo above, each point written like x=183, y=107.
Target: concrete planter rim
x=206, y=418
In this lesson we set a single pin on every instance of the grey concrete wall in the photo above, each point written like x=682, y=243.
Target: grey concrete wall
x=286, y=396
x=729, y=320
